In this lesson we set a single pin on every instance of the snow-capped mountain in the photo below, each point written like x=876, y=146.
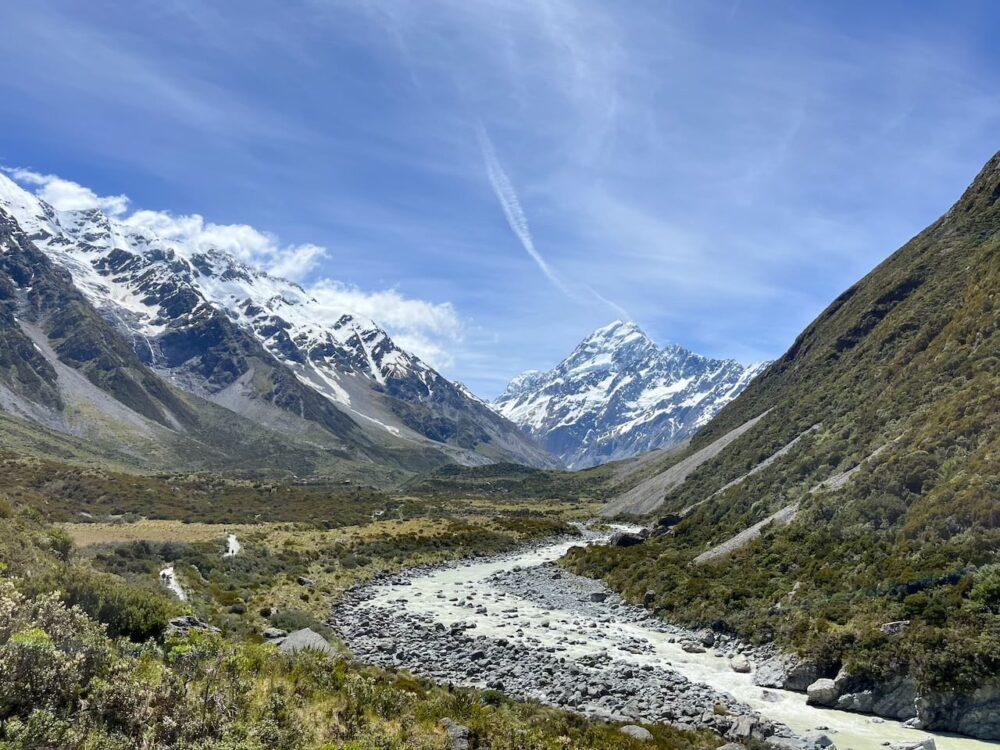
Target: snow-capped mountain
x=619, y=394
x=257, y=344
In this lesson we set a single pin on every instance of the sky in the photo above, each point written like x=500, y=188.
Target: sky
x=492, y=180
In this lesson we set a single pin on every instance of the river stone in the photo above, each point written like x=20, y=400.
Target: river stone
x=707, y=637
x=693, y=648
x=926, y=744
x=822, y=692
x=637, y=733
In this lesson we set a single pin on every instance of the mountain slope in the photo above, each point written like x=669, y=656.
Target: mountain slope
x=619, y=394
x=881, y=426
x=258, y=345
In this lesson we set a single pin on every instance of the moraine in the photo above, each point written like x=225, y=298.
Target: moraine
x=520, y=624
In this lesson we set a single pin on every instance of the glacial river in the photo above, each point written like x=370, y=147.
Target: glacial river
x=430, y=592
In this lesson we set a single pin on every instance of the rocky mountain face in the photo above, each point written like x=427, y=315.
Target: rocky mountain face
x=620, y=394
x=845, y=505
x=256, y=345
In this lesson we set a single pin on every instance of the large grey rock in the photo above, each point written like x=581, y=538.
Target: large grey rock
x=860, y=702
x=740, y=663
x=822, y=692
x=787, y=672
x=707, y=637
x=637, y=733
x=306, y=640
x=458, y=735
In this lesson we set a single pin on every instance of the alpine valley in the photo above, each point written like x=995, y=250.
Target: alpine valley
x=619, y=394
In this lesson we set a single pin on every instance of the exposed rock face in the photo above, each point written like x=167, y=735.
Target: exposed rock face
x=976, y=714
x=619, y=394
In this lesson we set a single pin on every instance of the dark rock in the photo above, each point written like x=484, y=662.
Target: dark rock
x=625, y=539
x=308, y=582
x=182, y=626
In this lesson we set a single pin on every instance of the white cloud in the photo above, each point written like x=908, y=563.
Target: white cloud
x=429, y=330
x=248, y=244
x=66, y=195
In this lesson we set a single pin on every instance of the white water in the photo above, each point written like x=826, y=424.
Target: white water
x=847, y=730
x=169, y=579
x=233, y=546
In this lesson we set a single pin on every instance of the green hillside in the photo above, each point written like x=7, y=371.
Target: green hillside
x=902, y=369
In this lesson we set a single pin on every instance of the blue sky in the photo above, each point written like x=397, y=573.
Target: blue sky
x=492, y=180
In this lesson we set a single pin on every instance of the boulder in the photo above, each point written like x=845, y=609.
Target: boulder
x=648, y=598
x=625, y=539
x=306, y=640
x=458, y=735
x=706, y=637
x=598, y=596
x=740, y=663
x=692, y=647
x=307, y=582
x=637, y=733
x=800, y=674
x=822, y=692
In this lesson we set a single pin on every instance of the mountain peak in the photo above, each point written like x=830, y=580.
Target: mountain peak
x=619, y=394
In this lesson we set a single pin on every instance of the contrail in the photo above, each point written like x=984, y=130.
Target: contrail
x=511, y=206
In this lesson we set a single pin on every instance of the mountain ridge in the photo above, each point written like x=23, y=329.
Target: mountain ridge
x=259, y=345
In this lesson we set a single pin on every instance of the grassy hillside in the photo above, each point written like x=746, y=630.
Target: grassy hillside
x=903, y=367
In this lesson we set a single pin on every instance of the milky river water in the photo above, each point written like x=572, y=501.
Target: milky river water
x=430, y=592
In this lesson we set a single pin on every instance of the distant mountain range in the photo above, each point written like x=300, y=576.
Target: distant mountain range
x=123, y=339
x=620, y=394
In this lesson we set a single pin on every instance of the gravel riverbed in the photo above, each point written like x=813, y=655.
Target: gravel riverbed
x=520, y=624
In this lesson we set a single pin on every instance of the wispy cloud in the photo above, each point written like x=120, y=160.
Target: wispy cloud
x=518, y=221
x=511, y=206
